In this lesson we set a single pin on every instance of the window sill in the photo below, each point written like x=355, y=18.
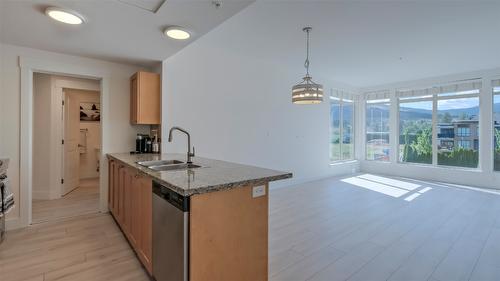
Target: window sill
x=378, y=161
x=465, y=169
x=342, y=162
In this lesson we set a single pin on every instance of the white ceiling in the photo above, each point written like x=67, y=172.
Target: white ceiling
x=127, y=31
x=362, y=43
x=365, y=43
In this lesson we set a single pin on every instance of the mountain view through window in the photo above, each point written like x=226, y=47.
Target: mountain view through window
x=377, y=130
x=341, y=129
x=415, y=131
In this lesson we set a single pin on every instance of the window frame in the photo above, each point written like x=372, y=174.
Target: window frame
x=341, y=101
x=435, y=97
x=368, y=102
x=495, y=92
x=410, y=100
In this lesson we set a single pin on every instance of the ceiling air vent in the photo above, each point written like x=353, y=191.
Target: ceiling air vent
x=148, y=5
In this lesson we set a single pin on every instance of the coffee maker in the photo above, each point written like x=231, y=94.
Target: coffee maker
x=143, y=144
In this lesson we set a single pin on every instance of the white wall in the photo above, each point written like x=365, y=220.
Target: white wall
x=231, y=90
x=237, y=106
x=42, y=91
x=121, y=133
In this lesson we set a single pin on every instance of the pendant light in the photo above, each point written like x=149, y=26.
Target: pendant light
x=307, y=91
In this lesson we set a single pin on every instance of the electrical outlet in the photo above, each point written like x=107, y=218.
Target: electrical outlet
x=258, y=191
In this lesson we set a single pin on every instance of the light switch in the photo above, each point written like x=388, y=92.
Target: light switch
x=258, y=191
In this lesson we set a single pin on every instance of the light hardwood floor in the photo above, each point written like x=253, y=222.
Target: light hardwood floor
x=89, y=247
x=341, y=229
x=355, y=228
x=82, y=200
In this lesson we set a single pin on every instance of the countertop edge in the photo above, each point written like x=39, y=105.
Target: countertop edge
x=206, y=189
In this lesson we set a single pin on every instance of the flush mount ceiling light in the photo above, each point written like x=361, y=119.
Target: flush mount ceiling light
x=177, y=32
x=307, y=91
x=64, y=15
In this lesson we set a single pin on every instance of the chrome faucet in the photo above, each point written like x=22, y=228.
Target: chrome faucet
x=189, y=153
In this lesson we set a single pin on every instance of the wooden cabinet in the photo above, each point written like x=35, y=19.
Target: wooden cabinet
x=145, y=98
x=143, y=221
x=122, y=178
x=111, y=185
x=130, y=202
x=228, y=236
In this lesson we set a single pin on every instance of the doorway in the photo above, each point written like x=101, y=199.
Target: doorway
x=66, y=147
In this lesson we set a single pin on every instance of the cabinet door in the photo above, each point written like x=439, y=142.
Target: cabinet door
x=149, y=98
x=111, y=185
x=127, y=200
x=145, y=98
x=133, y=98
x=135, y=210
x=145, y=219
x=116, y=188
x=122, y=180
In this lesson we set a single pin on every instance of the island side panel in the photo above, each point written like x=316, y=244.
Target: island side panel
x=229, y=236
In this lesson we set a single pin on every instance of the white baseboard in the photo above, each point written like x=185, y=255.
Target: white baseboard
x=292, y=182
x=41, y=195
x=13, y=223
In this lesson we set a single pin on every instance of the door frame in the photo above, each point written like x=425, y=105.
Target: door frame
x=28, y=66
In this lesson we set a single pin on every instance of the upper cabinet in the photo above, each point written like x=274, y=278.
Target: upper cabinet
x=145, y=98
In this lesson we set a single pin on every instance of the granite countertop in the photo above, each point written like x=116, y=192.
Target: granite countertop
x=214, y=175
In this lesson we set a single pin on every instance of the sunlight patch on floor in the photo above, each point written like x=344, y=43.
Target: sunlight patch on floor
x=375, y=186
x=388, y=186
x=389, y=181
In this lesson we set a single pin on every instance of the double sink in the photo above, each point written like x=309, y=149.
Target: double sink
x=167, y=165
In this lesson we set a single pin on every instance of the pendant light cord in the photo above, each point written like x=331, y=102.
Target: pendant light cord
x=306, y=63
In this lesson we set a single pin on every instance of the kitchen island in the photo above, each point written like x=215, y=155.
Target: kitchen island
x=227, y=209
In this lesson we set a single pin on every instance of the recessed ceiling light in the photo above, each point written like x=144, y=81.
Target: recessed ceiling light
x=177, y=32
x=64, y=15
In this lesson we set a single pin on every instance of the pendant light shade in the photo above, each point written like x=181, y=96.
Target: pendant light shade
x=307, y=91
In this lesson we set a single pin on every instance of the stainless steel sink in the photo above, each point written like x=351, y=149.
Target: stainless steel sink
x=159, y=163
x=171, y=167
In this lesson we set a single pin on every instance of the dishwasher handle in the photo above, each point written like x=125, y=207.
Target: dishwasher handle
x=177, y=200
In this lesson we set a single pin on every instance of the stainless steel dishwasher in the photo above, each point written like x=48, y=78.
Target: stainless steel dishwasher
x=170, y=234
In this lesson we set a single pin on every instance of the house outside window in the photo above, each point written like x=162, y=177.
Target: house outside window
x=463, y=130
x=464, y=144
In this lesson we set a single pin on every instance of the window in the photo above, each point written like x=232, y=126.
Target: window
x=444, y=117
x=341, y=128
x=463, y=131
x=377, y=130
x=335, y=136
x=496, y=125
x=415, y=130
x=460, y=113
x=464, y=144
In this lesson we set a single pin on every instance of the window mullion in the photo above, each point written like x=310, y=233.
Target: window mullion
x=341, y=129
x=434, y=131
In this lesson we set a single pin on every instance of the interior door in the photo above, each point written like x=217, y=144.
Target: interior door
x=70, y=146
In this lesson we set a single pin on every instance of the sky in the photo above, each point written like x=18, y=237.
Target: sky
x=418, y=105
x=458, y=103
x=447, y=104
